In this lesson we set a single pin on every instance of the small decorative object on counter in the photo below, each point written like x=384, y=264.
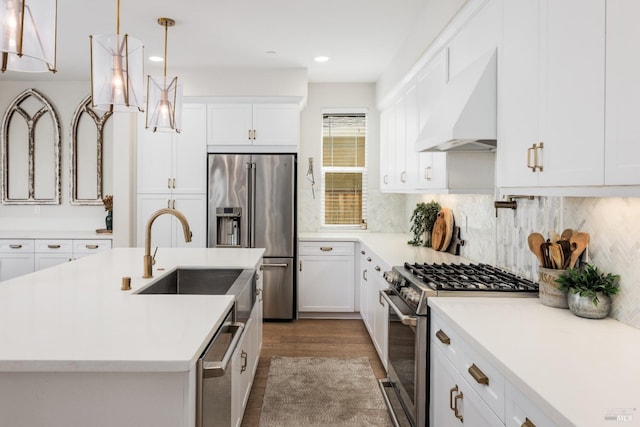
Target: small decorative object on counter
x=422, y=220
x=108, y=206
x=549, y=290
x=589, y=291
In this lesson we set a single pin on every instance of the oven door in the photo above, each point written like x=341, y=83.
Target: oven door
x=406, y=365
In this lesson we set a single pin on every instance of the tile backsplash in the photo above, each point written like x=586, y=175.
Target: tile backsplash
x=611, y=222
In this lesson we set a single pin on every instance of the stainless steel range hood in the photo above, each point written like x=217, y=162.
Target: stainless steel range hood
x=465, y=115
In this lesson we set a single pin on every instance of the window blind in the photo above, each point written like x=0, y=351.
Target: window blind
x=344, y=169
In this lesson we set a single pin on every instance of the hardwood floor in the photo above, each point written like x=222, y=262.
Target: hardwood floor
x=308, y=338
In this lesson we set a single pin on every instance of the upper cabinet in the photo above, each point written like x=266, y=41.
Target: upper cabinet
x=552, y=102
x=233, y=125
x=175, y=162
x=622, y=151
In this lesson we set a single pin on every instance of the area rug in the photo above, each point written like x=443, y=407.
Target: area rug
x=315, y=391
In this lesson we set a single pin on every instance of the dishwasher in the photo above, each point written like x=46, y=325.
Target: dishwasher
x=214, y=377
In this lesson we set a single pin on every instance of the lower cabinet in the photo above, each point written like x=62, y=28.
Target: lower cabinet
x=23, y=256
x=465, y=388
x=244, y=361
x=326, y=278
x=374, y=311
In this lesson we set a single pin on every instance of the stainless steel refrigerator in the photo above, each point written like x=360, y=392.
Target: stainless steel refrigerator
x=251, y=204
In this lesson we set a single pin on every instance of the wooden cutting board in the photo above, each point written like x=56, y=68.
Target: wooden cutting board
x=456, y=241
x=442, y=230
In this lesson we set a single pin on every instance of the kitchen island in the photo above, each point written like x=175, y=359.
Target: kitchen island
x=77, y=350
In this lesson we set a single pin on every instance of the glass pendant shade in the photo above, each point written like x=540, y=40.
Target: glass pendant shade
x=28, y=35
x=164, y=104
x=117, y=70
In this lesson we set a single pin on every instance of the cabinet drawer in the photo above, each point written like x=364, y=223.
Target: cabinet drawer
x=44, y=246
x=519, y=410
x=10, y=246
x=86, y=247
x=446, y=340
x=484, y=379
x=326, y=248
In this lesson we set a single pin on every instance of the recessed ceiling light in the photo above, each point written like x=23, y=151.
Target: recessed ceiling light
x=156, y=58
x=321, y=58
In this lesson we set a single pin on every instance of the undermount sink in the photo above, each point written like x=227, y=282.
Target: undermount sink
x=200, y=281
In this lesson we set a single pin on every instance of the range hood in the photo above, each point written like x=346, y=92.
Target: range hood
x=465, y=116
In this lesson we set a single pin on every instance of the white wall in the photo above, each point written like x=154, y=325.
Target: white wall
x=65, y=97
x=387, y=210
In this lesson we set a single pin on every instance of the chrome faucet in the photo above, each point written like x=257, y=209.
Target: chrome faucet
x=150, y=260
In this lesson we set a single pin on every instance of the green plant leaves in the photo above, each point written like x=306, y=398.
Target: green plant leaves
x=588, y=281
x=422, y=219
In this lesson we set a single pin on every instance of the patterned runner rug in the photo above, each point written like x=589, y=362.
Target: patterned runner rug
x=314, y=391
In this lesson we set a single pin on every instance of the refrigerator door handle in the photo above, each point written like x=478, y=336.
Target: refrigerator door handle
x=251, y=204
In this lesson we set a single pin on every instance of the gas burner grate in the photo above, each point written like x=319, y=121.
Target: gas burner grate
x=469, y=277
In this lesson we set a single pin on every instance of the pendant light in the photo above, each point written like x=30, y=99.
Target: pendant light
x=117, y=71
x=164, y=95
x=28, y=35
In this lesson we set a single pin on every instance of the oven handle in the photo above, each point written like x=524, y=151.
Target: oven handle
x=404, y=319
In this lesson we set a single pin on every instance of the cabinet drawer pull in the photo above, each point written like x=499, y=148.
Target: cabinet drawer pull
x=249, y=134
x=535, y=156
x=385, y=179
x=255, y=134
x=364, y=275
x=168, y=182
x=527, y=423
x=529, y=165
x=243, y=356
x=53, y=246
x=91, y=246
x=451, y=392
x=457, y=414
x=15, y=246
x=427, y=173
x=377, y=268
x=403, y=177
x=326, y=248
x=478, y=375
x=444, y=338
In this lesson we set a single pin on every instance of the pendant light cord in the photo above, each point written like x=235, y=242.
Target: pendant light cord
x=166, y=31
x=118, y=18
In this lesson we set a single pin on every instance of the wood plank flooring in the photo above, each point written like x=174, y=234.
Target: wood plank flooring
x=308, y=338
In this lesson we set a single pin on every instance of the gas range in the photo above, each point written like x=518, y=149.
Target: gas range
x=414, y=283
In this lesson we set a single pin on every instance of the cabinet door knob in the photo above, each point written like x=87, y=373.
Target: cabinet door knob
x=478, y=375
x=362, y=252
x=369, y=259
x=444, y=338
x=377, y=268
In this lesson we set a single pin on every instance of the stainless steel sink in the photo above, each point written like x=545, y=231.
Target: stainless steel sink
x=200, y=281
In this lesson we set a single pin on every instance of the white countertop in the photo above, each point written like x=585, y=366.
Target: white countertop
x=573, y=369
x=391, y=247
x=53, y=234
x=74, y=317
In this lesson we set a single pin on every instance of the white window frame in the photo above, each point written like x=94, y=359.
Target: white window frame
x=324, y=169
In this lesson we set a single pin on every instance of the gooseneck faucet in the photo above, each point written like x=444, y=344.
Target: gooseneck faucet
x=150, y=260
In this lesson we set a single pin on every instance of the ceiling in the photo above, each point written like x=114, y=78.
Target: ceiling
x=360, y=36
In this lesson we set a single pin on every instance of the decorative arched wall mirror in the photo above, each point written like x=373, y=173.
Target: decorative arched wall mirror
x=87, y=153
x=31, y=151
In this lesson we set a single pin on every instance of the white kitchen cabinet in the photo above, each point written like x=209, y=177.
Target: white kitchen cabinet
x=326, y=277
x=552, y=103
x=622, y=151
x=52, y=252
x=238, y=124
x=175, y=163
x=520, y=410
x=387, y=149
x=373, y=309
x=452, y=400
x=16, y=258
x=167, y=231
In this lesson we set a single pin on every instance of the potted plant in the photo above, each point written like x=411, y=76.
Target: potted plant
x=589, y=291
x=422, y=220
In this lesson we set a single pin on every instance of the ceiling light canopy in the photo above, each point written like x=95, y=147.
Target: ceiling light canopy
x=117, y=71
x=164, y=95
x=321, y=58
x=28, y=35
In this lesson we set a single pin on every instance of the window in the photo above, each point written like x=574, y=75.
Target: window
x=344, y=169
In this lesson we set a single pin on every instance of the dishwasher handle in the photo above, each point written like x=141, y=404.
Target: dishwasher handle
x=217, y=368
x=404, y=319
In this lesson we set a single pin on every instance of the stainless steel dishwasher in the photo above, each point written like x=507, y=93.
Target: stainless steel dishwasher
x=214, y=377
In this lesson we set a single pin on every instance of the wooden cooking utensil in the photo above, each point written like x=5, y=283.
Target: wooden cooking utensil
x=566, y=234
x=579, y=242
x=566, y=252
x=556, y=256
x=535, y=241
